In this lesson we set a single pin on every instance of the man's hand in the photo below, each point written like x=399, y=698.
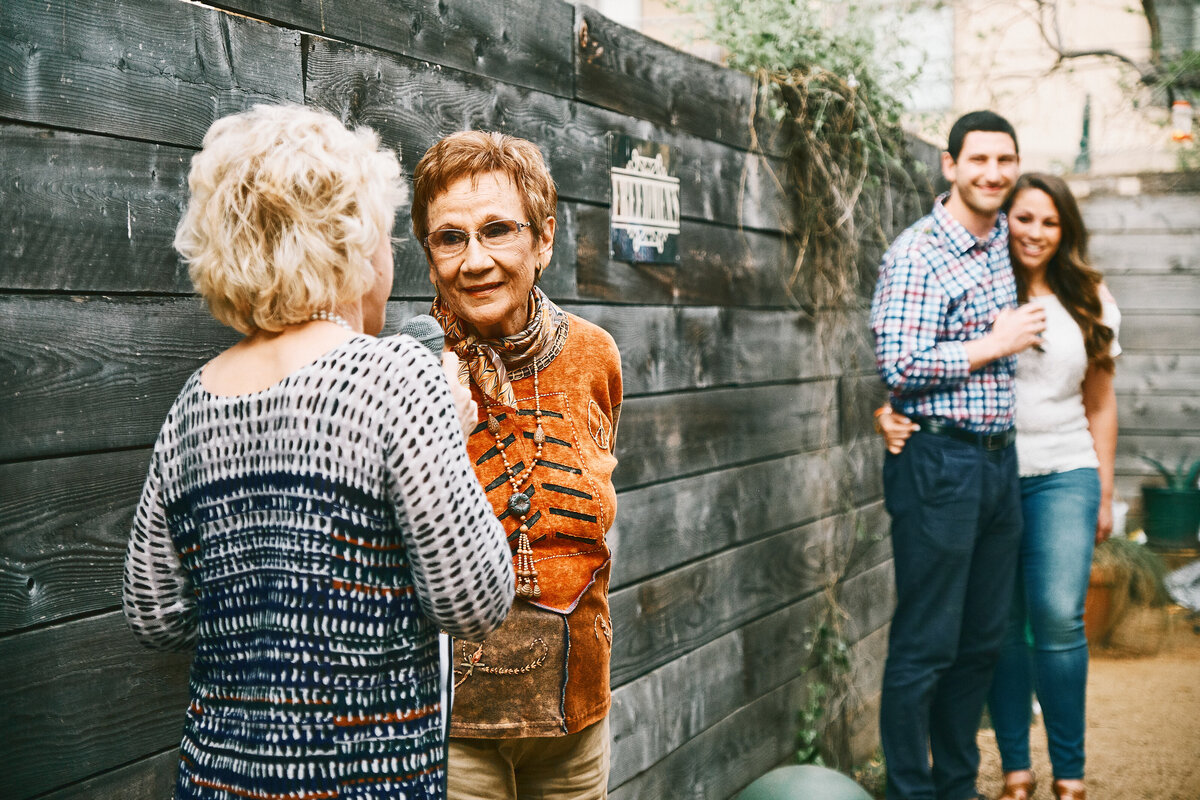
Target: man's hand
x=1013, y=330
x=1017, y=329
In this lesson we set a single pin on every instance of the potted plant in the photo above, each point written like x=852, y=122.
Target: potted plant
x=1127, y=599
x=1171, y=513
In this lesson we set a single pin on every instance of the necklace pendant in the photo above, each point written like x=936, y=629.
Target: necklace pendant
x=493, y=425
x=539, y=435
x=518, y=504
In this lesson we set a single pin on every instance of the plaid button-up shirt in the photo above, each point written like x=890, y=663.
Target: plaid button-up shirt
x=939, y=287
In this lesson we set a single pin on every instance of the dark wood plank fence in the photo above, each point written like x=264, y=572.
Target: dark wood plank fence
x=748, y=478
x=1148, y=246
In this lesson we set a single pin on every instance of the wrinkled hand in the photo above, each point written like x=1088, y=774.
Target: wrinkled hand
x=895, y=429
x=1104, y=523
x=464, y=406
x=1017, y=329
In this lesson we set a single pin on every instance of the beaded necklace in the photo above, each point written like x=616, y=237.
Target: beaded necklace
x=336, y=319
x=519, y=504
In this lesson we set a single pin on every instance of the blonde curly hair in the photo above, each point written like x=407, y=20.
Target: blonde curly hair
x=287, y=208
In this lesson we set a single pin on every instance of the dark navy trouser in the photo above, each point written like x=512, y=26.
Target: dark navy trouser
x=956, y=531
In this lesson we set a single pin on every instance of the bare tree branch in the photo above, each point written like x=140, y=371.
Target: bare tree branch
x=1149, y=74
x=1151, y=12
x=1146, y=74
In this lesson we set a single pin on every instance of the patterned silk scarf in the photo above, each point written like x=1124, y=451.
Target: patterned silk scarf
x=486, y=361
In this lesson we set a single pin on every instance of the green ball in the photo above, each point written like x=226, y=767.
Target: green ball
x=804, y=782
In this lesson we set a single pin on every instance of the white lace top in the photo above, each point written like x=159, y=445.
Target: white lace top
x=1052, y=429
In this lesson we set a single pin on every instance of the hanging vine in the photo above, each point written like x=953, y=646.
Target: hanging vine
x=848, y=173
x=846, y=160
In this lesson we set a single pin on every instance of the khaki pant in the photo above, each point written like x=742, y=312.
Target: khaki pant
x=572, y=767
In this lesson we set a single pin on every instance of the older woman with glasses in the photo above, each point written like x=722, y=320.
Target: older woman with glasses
x=532, y=699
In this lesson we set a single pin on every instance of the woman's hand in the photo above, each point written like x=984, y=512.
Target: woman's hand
x=895, y=428
x=1104, y=522
x=464, y=406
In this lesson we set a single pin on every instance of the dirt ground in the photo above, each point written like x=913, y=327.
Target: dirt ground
x=1143, y=724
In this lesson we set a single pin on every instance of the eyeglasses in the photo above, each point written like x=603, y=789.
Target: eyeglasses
x=451, y=242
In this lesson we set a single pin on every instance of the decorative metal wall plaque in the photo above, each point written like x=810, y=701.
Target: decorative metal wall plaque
x=644, y=226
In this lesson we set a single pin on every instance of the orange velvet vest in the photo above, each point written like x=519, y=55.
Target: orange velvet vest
x=545, y=671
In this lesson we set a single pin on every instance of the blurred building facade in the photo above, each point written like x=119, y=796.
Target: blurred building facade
x=1087, y=114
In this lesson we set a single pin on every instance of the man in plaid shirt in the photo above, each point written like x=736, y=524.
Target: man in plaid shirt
x=946, y=331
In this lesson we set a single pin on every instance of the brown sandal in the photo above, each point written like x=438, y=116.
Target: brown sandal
x=1062, y=792
x=1021, y=789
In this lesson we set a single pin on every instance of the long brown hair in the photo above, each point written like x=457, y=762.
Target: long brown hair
x=1072, y=278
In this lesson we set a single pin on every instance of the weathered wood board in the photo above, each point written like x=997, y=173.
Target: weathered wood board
x=413, y=103
x=66, y=526
x=646, y=79
x=82, y=212
x=1141, y=214
x=1121, y=253
x=140, y=69
x=670, y=435
x=692, y=347
x=757, y=736
x=703, y=687
x=82, y=697
x=1162, y=293
x=495, y=40
x=1159, y=412
x=1165, y=333
x=1141, y=374
x=662, y=526
x=674, y=613
x=150, y=778
x=1169, y=447
x=92, y=372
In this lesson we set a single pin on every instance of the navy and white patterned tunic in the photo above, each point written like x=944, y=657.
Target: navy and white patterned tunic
x=309, y=541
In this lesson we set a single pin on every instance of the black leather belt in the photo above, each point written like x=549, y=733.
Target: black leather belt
x=988, y=441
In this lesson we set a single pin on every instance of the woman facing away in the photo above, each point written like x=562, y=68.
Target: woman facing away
x=530, y=716
x=310, y=519
x=1066, y=421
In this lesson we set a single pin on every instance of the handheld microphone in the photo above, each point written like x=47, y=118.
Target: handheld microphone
x=426, y=330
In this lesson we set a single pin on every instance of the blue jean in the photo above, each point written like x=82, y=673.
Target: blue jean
x=1052, y=578
x=956, y=529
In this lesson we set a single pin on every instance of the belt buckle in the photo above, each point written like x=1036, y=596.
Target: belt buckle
x=995, y=441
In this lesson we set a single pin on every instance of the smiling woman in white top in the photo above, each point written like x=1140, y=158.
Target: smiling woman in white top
x=1066, y=446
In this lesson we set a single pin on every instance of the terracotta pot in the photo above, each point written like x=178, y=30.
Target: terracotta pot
x=1098, y=616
